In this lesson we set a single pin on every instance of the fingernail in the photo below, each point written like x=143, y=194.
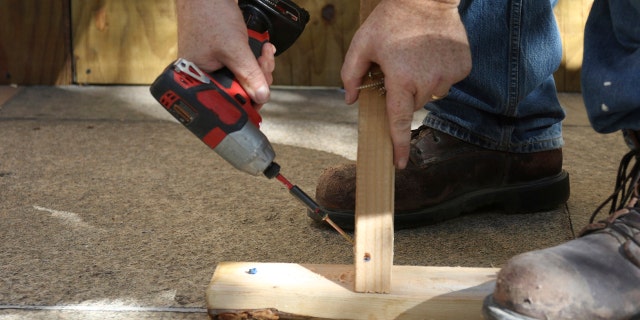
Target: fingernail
x=402, y=163
x=348, y=98
x=262, y=95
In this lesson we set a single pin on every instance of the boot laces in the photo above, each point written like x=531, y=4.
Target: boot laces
x=623, y=198
x=625, y=187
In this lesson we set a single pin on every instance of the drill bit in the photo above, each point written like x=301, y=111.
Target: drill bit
x=312, y=205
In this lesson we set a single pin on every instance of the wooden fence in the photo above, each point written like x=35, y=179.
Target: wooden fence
x=57, y=42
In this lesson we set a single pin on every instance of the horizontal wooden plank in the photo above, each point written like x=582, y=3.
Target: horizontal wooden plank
x=326, y=292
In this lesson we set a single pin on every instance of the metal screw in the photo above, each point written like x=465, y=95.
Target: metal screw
x=377, y=84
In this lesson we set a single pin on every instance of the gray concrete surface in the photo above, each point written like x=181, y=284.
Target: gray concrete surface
x=109, y=209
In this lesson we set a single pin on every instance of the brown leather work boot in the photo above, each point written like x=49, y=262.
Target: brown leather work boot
x=446, y=177
x=596, y=276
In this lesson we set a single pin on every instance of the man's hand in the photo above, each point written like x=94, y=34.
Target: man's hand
x=422, y=49
x=212, y=34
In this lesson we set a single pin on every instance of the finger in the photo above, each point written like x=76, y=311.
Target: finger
x=430, y=91
x=400, y=107
x=439, y=91
x=267, y=64
x=267, y=61
x=247, y=70
x=439, y=96
x=354, y=68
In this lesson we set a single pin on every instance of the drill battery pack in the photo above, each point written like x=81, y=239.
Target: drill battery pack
x=282, y=19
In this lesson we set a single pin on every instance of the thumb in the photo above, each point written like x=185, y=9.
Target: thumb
x=400, y=111
x=250, y=76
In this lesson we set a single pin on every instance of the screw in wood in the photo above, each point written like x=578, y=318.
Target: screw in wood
x=375, y=84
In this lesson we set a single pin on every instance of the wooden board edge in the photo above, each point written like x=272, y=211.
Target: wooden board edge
x=8, y=92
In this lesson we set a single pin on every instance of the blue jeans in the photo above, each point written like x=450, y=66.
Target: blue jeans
x=509, y=101
x=611, y=65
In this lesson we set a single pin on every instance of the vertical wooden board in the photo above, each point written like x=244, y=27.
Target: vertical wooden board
x=35, y=42
x=316, y=57
x=121, y=41
x=571, y=16
x=373, y=253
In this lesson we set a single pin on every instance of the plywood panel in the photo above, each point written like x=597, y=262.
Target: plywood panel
x=316, y=58
x=122, y=41
x=119, y=41
x=34, y=42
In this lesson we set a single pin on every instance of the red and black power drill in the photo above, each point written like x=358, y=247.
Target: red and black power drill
x=218, y=110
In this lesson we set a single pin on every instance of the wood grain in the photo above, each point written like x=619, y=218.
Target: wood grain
x=374, y=232
x=316, y=57
x=35, y=42
x=571, y=16
x=294, y=291
x=121, y=41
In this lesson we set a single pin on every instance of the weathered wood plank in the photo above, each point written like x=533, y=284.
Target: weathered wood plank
x=325, y=292
x=35, y=42
x=373, y=256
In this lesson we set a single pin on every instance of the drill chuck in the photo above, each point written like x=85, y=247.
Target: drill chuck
x=247, y=149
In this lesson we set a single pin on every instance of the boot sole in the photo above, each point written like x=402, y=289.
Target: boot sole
x=540, y=195
x=492, y=311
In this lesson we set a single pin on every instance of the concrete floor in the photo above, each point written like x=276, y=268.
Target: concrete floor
x=109, y=209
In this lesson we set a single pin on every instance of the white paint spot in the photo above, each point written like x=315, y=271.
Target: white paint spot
x=607, y=83
x=604, y=107
x=66, y=216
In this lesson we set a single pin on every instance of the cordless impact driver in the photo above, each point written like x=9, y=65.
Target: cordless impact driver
x=215, y=107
